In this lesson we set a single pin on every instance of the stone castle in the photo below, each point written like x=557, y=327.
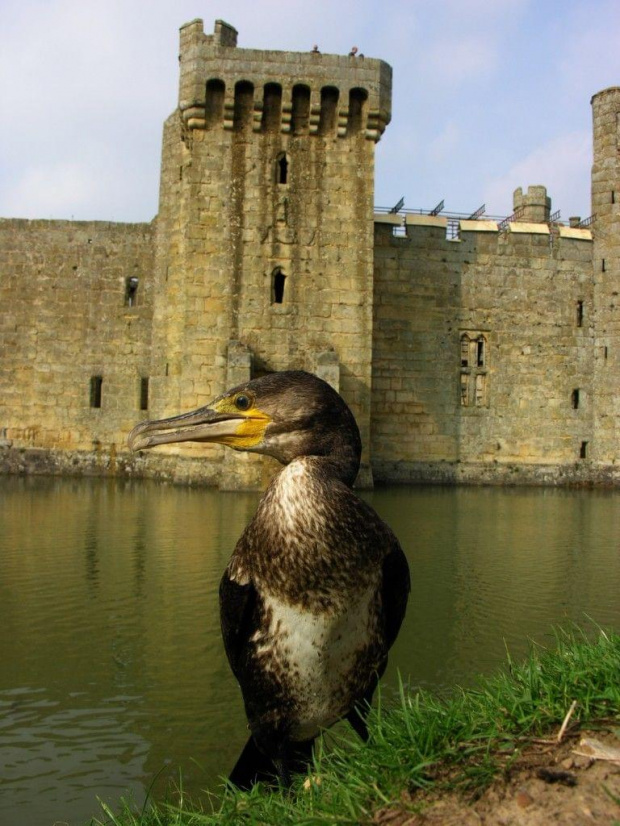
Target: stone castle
x=469, y=350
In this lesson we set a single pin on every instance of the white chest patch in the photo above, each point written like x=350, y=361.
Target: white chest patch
x=318, y=654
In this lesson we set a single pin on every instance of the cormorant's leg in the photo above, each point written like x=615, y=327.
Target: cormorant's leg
x=357, y=718
x=301, y=755
x=294, y=759
x=252, y=767
x=357, y=715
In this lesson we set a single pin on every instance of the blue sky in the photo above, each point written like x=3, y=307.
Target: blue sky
x=488, y=95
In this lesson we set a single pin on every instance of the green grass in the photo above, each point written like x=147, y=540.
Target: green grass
x=462, y=741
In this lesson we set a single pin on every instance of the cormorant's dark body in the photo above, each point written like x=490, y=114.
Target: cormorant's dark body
x=316, y=589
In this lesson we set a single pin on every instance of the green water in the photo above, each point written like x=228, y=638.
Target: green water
x=111, y=665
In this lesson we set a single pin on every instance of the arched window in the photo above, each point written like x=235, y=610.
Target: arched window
x=278, y=280
x=480, y=351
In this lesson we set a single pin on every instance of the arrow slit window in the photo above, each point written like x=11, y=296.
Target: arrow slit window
x=278, y=280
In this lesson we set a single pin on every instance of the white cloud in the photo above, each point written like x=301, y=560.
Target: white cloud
x=85, y=87
x=50, y=190
x=559, y=165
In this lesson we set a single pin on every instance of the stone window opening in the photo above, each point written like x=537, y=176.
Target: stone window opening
x=300, y=114
x=574, y=399
x=602, y=265
x=464, y=390
x=328, y=118
x=357, y=106
x=613, y=197
x=580, y=314
x=214, y=102
x=465, y=350
x=473, y=376
x=282, y=164
x=144, y=393
x=243, y=106
x=96, y=383
x=131, y=291
x=272, y=108
x=583, y=450
x=277, y=286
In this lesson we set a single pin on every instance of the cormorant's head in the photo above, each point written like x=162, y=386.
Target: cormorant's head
x=284, y=415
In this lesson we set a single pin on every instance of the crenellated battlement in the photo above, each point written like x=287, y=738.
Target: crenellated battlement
x=533, y=206
x=454, y=230
x=223, y=86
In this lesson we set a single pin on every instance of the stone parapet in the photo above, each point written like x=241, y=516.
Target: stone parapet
x=575, y=233
x=321, y=93
x=528, y=227
x=414, y=220
x=480, y=225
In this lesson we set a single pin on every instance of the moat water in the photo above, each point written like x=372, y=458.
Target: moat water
x=112, y=671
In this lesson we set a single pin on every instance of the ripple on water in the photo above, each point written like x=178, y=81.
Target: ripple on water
x=54, y=760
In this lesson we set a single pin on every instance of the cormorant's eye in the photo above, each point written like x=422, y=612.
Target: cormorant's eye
x=242, y=402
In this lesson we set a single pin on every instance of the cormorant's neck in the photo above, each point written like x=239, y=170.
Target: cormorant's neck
x=336, y=455
x=343, y=463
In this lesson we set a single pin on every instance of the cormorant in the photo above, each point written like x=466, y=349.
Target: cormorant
x=316, y=589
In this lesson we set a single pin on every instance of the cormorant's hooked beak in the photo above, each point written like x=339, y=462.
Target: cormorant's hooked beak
x=202, y=425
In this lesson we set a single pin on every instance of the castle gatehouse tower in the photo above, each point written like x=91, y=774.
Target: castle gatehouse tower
x=265, y=226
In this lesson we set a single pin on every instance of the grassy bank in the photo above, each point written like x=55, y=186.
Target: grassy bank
x=463, y=741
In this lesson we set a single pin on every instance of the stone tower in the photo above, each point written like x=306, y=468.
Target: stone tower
x=265, y=227
x=606, y=264
x=533, y=206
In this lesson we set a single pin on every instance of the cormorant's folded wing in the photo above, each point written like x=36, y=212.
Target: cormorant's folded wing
x=395, y=591
x=237, y=604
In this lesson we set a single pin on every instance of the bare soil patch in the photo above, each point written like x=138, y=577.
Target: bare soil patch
x=545, y=783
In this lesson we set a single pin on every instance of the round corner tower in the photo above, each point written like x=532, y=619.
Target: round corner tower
x=265, y=227
x=606, y=266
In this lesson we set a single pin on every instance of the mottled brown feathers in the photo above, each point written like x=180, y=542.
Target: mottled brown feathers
x=317, y=586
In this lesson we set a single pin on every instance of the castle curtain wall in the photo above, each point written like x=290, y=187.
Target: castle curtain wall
x=483, y=352
x=75, y=332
